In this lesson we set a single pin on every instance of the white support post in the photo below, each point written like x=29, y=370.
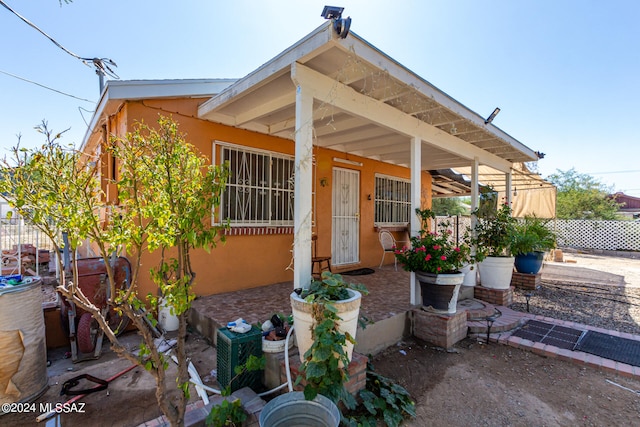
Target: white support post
x=475, y=193
x=475, y=197
x=303, y=188
x=508, y=179
x=416, y=196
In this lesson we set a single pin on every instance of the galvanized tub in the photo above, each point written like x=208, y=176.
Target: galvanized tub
x=23, y=365
x=292, y=410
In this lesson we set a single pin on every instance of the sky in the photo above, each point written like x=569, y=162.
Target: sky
x=565, y=74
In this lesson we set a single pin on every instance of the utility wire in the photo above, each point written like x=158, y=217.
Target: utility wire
x=46, y=87
x=102, y=65
x=609, y=172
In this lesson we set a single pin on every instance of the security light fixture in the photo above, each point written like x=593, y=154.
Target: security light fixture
x=492, y=116
x=341, y=26
x=332, y=12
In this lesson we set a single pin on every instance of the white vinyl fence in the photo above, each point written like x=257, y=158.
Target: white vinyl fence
x=577, y=233
x=598, y=234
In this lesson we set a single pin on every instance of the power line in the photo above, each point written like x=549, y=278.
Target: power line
x=102, y=65
x=46, y=87
x=613, y=172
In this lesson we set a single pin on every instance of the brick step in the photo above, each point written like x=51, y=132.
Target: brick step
x=507, y=320
x=475, y=308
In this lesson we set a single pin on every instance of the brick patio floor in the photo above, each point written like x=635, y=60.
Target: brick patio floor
x=388, y=295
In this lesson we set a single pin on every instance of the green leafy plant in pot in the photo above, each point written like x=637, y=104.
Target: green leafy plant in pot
x=326, y=320
x=493, y=237
x=436, y=259
x=531, y=239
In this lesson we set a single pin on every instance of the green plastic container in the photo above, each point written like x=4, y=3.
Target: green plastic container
x=234, y=349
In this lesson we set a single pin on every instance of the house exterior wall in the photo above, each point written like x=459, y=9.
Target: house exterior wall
x=628, y=202
x=257, y=256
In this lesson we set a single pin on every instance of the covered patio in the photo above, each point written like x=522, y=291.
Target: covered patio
x=388, y=298
x=344, y=95
x=387, y=309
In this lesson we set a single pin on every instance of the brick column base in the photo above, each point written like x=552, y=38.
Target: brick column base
x=357, y=370
x=443, y=330
x=526, y=281
x=494, y=296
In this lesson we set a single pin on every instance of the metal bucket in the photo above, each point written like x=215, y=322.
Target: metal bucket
x=23, y=365
x=292, y=410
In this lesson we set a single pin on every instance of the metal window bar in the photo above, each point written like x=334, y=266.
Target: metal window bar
x=392, y=200
x=260, y=188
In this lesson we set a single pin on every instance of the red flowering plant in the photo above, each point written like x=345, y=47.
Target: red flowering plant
x=434, y=252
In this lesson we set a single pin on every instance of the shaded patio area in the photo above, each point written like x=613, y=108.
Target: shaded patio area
x=388, y=297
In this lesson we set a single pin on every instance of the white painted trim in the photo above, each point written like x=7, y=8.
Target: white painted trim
x=152, y=89
x=416, y=200
x=303, y=189
x=508, y=184
x=347, y=161
x=382, y=175
x=327, y=90
x=380, y=60
x=123, y=90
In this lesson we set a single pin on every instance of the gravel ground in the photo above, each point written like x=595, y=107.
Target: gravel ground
x=595, y=290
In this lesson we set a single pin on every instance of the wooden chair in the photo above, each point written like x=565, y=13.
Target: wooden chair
x=322, y=262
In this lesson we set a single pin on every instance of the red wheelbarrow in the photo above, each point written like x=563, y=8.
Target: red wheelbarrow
x=84, y=333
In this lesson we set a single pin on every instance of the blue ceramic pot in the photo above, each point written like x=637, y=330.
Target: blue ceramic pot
x=529, y=263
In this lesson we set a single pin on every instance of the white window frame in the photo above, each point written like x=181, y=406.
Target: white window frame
x=253, y=219
x=397, y=206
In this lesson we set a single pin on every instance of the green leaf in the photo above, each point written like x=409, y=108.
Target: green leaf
x=315, y=370
x=310, y=392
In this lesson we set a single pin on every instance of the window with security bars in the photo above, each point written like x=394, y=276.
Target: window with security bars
x=260, y=188
x=392, y=200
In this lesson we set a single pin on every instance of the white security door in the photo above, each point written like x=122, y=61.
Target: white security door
x=345, y=244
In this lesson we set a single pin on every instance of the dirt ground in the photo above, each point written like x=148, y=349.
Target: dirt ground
x=475, y=384
x=128, y=401
x=496, y=385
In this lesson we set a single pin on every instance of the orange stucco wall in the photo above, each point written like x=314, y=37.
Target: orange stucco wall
x=246, y=261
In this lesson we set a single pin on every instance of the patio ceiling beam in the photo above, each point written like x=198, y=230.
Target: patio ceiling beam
x=348, y=135
x=329, y=125
x=390, y=148
x=426, y=110
x=453, y=163
x=372, y=55
x=266, y=108
x=329, y=91
x=324, y=122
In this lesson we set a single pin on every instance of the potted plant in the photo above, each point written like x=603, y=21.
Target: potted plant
x=325, y=317
x=492, y=237
x=531, y=239
x=331, y=291
x=437, y=262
